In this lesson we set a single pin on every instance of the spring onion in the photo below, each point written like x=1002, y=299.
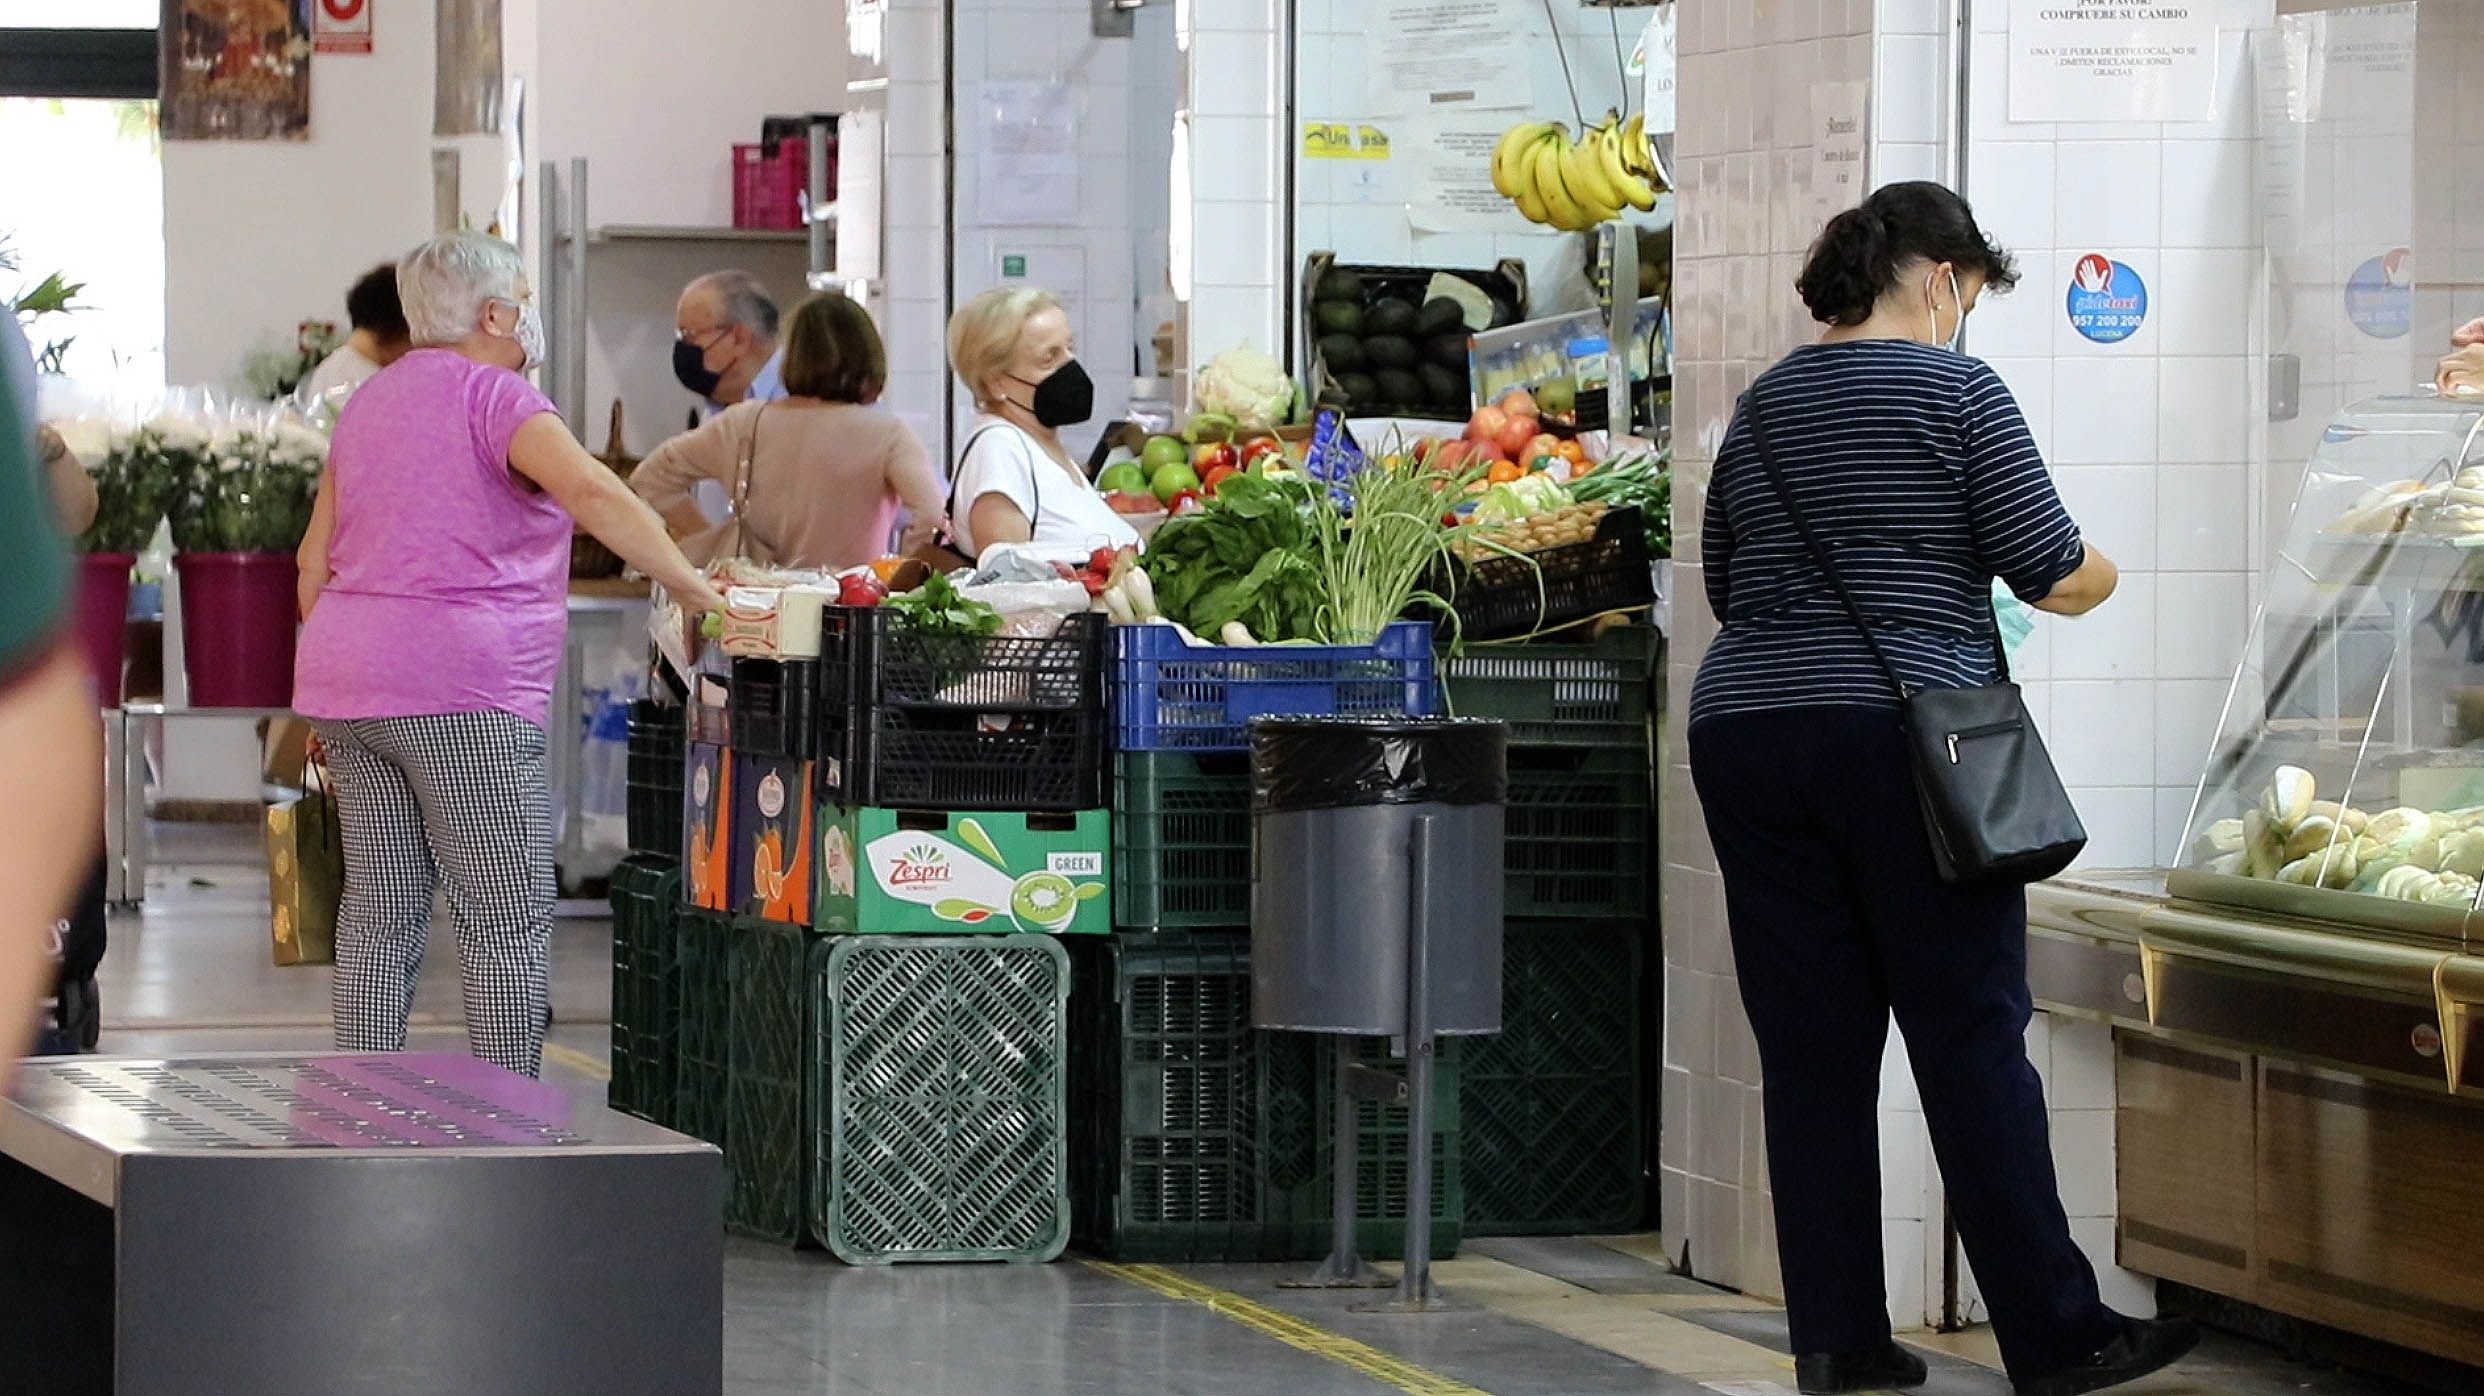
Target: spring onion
x=1378, y=552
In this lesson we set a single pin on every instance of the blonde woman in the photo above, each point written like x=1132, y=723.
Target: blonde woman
x=1016, y=482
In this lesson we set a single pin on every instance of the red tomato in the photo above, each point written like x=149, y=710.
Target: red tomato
x=1215, y=474
x=1259, y=448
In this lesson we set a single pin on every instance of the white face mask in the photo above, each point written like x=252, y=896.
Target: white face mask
x=528, y=334
x=1932, y=318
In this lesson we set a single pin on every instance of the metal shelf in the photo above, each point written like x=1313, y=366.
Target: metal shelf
x=649, y=232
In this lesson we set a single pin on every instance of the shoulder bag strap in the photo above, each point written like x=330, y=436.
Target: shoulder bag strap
x=1033, y=480
x=1819, y=553
x=741, y=487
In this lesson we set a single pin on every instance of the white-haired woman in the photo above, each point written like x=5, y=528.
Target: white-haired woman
x=1015, y=481
x=434, y=578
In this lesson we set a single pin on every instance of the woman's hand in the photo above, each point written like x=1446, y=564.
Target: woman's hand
x=2468, y=335
x=2461, y=373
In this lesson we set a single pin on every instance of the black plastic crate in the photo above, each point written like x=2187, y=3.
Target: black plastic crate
x=1497, y=597
x=768, y=1097
x=646, y=902
x=1554, y=1111
x=655, y=778
x=927, y=721
x=704, y=1049
x=1505, y=282
x=1577, y=832
x=776, y=707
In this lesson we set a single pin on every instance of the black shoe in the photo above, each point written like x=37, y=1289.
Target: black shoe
x=2144, y=1346
x=1892, y=1368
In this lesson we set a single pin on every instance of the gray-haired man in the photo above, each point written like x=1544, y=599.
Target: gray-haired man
x=725, y=347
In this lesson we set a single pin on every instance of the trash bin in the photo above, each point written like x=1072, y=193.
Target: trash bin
x=1335, y=806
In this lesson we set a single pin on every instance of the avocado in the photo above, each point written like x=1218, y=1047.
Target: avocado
x=1442, y=388
x=1358, y=387
x=1400, y=388
x=1339, y=284
x=1447, y=350
x=1342, y=352
x=1338, y=317
x=1440, y=315
x=1389, y=351
x=1390, y=316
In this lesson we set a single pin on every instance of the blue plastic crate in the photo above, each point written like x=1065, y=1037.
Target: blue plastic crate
x=1173, y=696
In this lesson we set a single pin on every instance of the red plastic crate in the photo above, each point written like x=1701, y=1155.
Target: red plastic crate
x=767, y=188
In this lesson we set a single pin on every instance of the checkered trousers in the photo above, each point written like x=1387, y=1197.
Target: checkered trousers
x=461, y=803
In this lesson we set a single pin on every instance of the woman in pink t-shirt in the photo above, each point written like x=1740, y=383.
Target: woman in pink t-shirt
x=434, y=584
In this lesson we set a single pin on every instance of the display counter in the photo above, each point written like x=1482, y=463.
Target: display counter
x=2300, y=1084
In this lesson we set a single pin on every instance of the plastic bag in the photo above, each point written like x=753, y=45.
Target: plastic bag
x=2015, y=617
x=1306, y=763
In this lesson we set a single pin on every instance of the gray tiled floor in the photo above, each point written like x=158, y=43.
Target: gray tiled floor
x=1543, y=1318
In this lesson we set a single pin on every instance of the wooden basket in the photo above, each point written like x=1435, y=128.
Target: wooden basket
x=589, y=559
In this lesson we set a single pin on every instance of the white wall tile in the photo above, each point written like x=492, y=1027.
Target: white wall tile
x=2204, y=410
x=2030, y=380
x=2020, y=325
x=1906, y=1179
x=2083, y=1161
x=1897, y=1078
x=2202, y=620
x=2122, y=1290
x=1903, y=1258
x=1925, y=17
x=2083, y=1074
x=2173, y=814
x=2121, y=824
x=2104, y=412
x=1899, y=163
x=2203, y=518
x=2011, y=186
x=1907, y=91
x=2106, y=195
x=2102, y=736
x=2115, y=506
x=2204, y=300
x=2207, y=194
x=2093, y=647
x=2188, y=712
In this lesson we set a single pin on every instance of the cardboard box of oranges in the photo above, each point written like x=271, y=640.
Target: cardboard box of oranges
x=772, y=805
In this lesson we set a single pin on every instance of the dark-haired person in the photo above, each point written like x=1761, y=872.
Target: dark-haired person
x=379, y=337
x=827, y=472
x=1914, y=465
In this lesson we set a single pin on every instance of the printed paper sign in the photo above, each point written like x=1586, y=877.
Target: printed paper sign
x=2108, y=302
x=341, y=26
x=2112, y=60
x=1840, y=147
x=1434, y=55
x=1449, y=176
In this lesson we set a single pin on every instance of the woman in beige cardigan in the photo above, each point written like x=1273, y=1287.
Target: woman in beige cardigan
x=827, y=470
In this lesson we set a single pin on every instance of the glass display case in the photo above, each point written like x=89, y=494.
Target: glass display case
x=2347, y=779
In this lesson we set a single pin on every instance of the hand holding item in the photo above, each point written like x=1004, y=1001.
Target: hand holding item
x=2469, y=334
x=2461, y=373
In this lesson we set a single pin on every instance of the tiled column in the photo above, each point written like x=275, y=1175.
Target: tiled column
x=1233, y=126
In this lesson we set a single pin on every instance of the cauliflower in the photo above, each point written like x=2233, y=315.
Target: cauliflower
x=1246, y=385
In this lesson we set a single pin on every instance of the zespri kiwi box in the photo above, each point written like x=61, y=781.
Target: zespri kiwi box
x=915, y=872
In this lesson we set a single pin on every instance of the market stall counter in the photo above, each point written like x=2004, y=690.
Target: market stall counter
x=2300, y=1089
x=291, y=1225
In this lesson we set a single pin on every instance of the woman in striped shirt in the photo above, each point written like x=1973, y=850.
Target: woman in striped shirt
x=1915, y=466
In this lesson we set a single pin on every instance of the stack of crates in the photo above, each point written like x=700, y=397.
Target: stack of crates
x=913, y=819
x=1553, y=1106
x=1199, y=1137
x=646, y=912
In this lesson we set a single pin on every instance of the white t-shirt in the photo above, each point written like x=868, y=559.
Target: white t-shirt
x=347, y=368
x=1071, y=518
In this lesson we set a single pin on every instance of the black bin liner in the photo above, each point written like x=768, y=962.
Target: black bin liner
x=1311, y=763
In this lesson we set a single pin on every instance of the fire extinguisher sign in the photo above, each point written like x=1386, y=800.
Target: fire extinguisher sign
x=341, y=26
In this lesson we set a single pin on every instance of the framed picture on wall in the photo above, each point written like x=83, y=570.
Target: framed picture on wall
x=236, y=69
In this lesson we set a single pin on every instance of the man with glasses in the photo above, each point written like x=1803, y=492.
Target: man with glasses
x=725, y=348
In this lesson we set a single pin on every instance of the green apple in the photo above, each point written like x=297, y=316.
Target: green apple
x=1124, y=475
x=1172, y=479
x=1161, y=451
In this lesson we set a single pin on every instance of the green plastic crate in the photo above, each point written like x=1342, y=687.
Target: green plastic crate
x=1380, y=1179
x=768, y=1108
x=1554, y=1108
x=1578, y=830
x=1594, y=694
x=943, y=1083
x=703, y=1055
x=1181, y=839
x=1202, y=1139
x=646, y=899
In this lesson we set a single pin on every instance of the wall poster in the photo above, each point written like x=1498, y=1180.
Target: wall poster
x=236, y=69
x=2113, y=60
x=1436, y=55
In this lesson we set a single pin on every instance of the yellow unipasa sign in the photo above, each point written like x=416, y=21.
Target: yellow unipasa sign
x=1338, y=140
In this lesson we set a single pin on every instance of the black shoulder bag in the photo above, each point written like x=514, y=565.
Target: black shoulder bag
x=1992, y=803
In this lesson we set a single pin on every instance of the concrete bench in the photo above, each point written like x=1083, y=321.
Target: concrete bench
x=348, y=1226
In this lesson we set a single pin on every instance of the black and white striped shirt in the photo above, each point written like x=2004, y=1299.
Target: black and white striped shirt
x=1915, y=467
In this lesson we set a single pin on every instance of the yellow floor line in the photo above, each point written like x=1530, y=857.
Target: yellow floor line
x=1298, y=1333
x=577, y=1061
x=1635, y=1327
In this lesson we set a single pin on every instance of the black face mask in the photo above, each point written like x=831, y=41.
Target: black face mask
x=690, y=366
x=1064, y=399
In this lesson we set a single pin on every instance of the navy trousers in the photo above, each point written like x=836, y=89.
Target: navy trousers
x=1839, y=921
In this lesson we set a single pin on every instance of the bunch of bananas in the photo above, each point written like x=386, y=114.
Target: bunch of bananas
x=1575, y=184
